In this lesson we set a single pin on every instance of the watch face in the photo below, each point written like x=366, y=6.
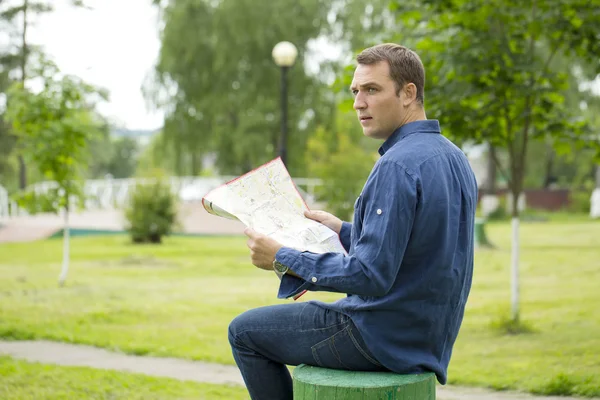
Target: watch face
x=279, y=266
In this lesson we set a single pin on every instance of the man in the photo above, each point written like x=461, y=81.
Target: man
x=408, y=271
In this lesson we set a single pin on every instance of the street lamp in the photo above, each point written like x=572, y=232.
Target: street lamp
x=284, y=54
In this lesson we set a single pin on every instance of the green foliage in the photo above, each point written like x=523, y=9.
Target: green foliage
x=151, y=212
x=18, y=55
x=343, y=163
x=580, y=201
x=240, y=121
x=117, y=156
x=54, y=126
x=157, y=155
x=493, y=72
x=51, y=201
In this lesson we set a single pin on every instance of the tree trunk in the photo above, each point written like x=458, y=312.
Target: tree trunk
x=22, y=173
x=22, y=167
x=490, y=187
x=195, y=160
x=515, y=269
x=595, y=199
x=516, y=190
x=66, y=236
x=548, y=176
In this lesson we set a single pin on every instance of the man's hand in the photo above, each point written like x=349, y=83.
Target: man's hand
x=262, y=249
x=329, y=220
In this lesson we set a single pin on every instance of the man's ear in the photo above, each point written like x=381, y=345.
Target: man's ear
x=410, y=94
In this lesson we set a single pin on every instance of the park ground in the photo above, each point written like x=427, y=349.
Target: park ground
x=176, y=300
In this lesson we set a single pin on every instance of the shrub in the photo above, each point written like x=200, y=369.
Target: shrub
x=151, y=212
x=580, y=201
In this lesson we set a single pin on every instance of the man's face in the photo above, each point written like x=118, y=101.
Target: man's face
x=377, y=105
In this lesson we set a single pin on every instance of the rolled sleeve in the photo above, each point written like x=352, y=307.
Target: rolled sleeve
x=346, y=235
x=290, y=285
x=387, y=214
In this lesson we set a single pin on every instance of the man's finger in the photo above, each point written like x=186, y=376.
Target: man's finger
x=310, y=214
x=251, y=233
x=314, y=215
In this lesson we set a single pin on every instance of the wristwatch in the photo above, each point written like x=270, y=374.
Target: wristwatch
x=280, y=269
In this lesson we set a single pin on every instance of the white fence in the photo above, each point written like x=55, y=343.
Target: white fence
x=4, y=207
x=8, y=208
x=113, y=193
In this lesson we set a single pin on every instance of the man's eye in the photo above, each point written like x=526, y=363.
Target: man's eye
x=355, y=92
x=372, y=90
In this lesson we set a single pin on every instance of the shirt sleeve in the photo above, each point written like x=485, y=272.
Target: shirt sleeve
x=345, y=235
x=387, y=211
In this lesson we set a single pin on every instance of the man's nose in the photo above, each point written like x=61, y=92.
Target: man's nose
x=359, y=102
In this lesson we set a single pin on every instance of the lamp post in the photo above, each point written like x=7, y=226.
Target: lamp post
x=284, y=54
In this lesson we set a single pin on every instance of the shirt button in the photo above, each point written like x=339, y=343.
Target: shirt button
x=379, y=211
x=314, y=279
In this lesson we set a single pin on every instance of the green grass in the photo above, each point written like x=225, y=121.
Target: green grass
x=177, y=300
x=560, y=277
x=33, y=381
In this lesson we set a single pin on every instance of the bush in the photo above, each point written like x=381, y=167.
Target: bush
x=151, y=212
x=580, y=201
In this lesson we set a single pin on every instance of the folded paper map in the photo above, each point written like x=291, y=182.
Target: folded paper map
x=267, y=200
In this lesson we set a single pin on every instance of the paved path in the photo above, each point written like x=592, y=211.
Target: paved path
x=192, y=217
x=87, y=356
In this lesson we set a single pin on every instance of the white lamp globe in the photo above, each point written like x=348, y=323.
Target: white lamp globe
x=284, y=54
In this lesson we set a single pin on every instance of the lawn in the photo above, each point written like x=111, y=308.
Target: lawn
x=25, y=381
x=178, y=298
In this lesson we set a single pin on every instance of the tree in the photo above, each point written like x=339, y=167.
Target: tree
x=492, y=76
x=17, y=58
x=217, y=81
x=54, y=127
x=116, y=156
x=342, y=159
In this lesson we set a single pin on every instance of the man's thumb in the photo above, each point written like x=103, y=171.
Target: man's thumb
x=315, y=215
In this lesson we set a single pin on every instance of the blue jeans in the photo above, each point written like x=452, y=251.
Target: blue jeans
x=266, y=339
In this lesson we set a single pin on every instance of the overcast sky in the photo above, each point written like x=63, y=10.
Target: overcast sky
x=114, y=45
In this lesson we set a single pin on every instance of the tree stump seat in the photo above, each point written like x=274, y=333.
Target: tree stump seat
x=316, y=383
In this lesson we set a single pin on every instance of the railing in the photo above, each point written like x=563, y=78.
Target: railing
x=4, y=207
x=113, y=193
x=9, y=208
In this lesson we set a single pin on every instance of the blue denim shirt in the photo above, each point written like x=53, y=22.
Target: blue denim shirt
x=409, y=266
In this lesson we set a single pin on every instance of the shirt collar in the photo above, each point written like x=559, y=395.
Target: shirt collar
x=423, y=126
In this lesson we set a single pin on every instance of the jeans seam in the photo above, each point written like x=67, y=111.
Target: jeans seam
x=316, y=357
x=334, y=349
x=364, y=353
x=329, y=342
x=286, y=329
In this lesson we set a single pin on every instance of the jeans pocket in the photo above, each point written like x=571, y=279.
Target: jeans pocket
x=343, y=350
